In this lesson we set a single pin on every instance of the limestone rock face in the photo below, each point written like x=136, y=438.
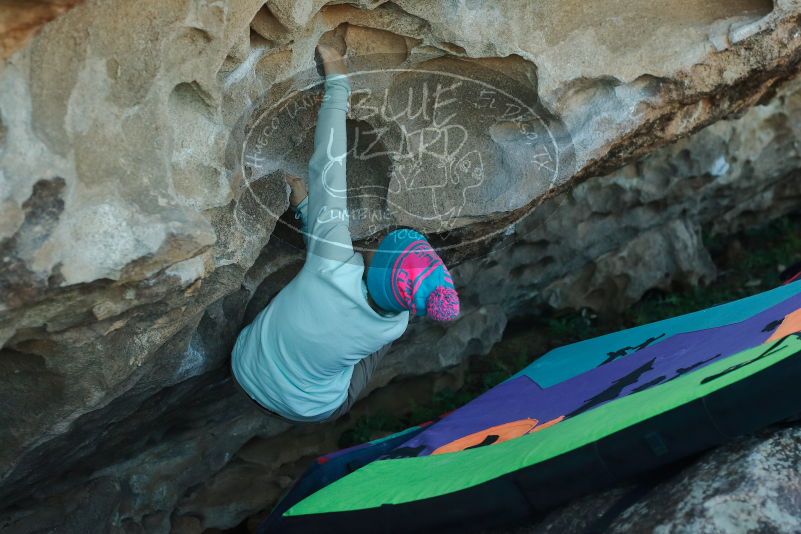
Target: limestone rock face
x=19, y=21
x=749, y=485
x=142, y=152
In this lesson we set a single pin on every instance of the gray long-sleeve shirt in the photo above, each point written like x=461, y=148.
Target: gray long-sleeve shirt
x=297, y=357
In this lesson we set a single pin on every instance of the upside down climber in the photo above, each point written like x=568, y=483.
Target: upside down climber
x=310, y=353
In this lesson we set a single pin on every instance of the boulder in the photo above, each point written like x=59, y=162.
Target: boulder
x=749, y=485
x=143, y=149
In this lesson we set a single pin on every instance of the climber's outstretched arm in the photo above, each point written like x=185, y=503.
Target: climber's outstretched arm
x=329, y=241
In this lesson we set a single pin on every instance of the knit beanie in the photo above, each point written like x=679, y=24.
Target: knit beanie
x=407, y=274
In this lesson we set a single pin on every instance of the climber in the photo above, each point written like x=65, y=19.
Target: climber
x=309, y=354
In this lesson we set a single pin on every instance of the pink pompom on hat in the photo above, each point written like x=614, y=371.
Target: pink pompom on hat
x=407, y=274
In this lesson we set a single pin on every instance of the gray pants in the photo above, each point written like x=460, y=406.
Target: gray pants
x=362, y=372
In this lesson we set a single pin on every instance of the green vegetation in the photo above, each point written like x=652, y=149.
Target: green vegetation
x=748, y=263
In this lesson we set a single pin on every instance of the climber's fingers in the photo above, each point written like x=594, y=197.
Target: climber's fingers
x=333, y=61
x=298, y=189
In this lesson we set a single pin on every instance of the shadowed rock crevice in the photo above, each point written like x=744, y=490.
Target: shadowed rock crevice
x=40, y=213
x=3, y=132
x=267, y=25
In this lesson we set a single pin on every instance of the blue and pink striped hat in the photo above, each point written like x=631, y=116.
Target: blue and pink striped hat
x=407, y=274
